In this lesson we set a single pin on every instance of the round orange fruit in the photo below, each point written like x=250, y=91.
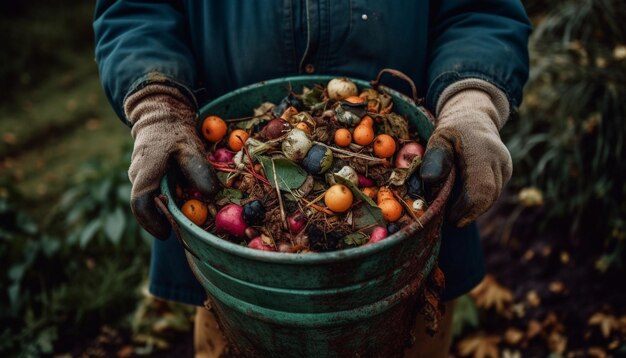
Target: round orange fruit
x=343, y=137
x=195, y=210
x=384, y=146
x=338, y=198
x=363, y=134
x=237, y=139
x=214, y=128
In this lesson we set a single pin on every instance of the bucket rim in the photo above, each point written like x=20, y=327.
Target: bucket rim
x=212, y=240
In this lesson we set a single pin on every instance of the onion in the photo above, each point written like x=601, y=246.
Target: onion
x=340, y=88
x=230, y=221
x=296, y=145
x=222, y=155
x=407, y=153
x=275, y=128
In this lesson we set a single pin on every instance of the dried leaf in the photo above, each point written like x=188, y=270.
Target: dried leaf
x=513, y=336
x=261, y=114
x=607, y=323
x=507, y=353
x=490, y=294
x=557, y=343
x=556, y=287
x=596, y=352
x=534, y=328
x=480, y=346
x=532, y=297
x=397, y=126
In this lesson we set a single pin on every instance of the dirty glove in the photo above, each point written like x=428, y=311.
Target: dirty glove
x=163, y=126
x=470, y=114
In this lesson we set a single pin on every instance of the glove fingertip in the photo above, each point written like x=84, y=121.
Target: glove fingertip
x=436, y=165
x=201, y=175
x=149, y=217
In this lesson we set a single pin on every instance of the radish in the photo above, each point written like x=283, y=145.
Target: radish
x=407, y=153
x=222, y=155
x=365, y=182
x=257, y=244
x=378, y=234
x=230, y=221
x=297, y=222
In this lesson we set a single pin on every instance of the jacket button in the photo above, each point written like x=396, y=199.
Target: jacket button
x=309, y=68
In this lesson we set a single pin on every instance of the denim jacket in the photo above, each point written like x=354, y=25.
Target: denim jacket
x=213, y=47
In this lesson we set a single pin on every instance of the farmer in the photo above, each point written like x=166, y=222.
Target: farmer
x=159, y=60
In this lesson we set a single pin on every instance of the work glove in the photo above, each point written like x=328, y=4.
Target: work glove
x=470, y=114
x=163, y=127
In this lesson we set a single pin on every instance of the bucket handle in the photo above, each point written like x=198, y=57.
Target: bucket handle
x=161, y=203
x=375, y=83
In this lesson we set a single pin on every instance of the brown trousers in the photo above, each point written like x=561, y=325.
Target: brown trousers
x=209, y=342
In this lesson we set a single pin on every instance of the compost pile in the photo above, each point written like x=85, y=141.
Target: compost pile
x=326, y=169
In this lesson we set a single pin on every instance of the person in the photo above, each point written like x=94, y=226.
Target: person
x=158, y=60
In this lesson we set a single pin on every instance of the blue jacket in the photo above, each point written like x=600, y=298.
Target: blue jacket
x=217, y=46
x=208, y=48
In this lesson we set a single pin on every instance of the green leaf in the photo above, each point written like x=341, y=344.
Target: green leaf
x=288, y=174
x=89, y=231
x=114, y=225
x=366, y=214
x=355, y=239
x=465, y=315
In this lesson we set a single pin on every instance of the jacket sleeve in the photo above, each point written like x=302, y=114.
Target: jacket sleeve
x=139, y=43
x=484, y=39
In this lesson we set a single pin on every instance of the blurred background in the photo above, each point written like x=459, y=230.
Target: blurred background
x=74, y=262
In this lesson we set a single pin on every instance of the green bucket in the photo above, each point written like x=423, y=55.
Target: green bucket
x=356, y=302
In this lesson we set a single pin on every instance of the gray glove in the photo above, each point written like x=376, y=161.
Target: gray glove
x=163, y=126
x=466, y=135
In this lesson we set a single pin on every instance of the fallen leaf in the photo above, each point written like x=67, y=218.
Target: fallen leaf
x=490, y=294
x=125, y=352
x=530, y=197
x=557, y=343
x=513, y=336
x=607, y=323
x=9, y=138
x=596, y=352
x=532, y=297
x=565, y=258
x=534, y=328
x=480, y=346
x=511, y=354
x=528, y=255
x=556, y=287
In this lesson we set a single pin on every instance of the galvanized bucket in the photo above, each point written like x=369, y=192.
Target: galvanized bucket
x=356, y=302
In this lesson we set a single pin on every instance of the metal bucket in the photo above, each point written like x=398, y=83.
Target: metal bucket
x=356, y=302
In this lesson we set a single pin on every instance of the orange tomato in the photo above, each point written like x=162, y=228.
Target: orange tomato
x=370, y=191
x=304, y=127
x=384, y=146
x=391, y=208
x=343, y=137
x=367, y=121
x=338, y=198
x=237, y=139
x=363, y=134
x=214, y=128
x=195, y=210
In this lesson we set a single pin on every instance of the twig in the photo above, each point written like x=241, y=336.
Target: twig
x=352, y=154
x=318, y=208
x=280, y=199
x=242, y=119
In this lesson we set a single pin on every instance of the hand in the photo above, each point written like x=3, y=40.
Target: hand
x=466, y=135
x=164, y=131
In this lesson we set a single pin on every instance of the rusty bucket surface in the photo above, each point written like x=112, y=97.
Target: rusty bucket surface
x=356, y=302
